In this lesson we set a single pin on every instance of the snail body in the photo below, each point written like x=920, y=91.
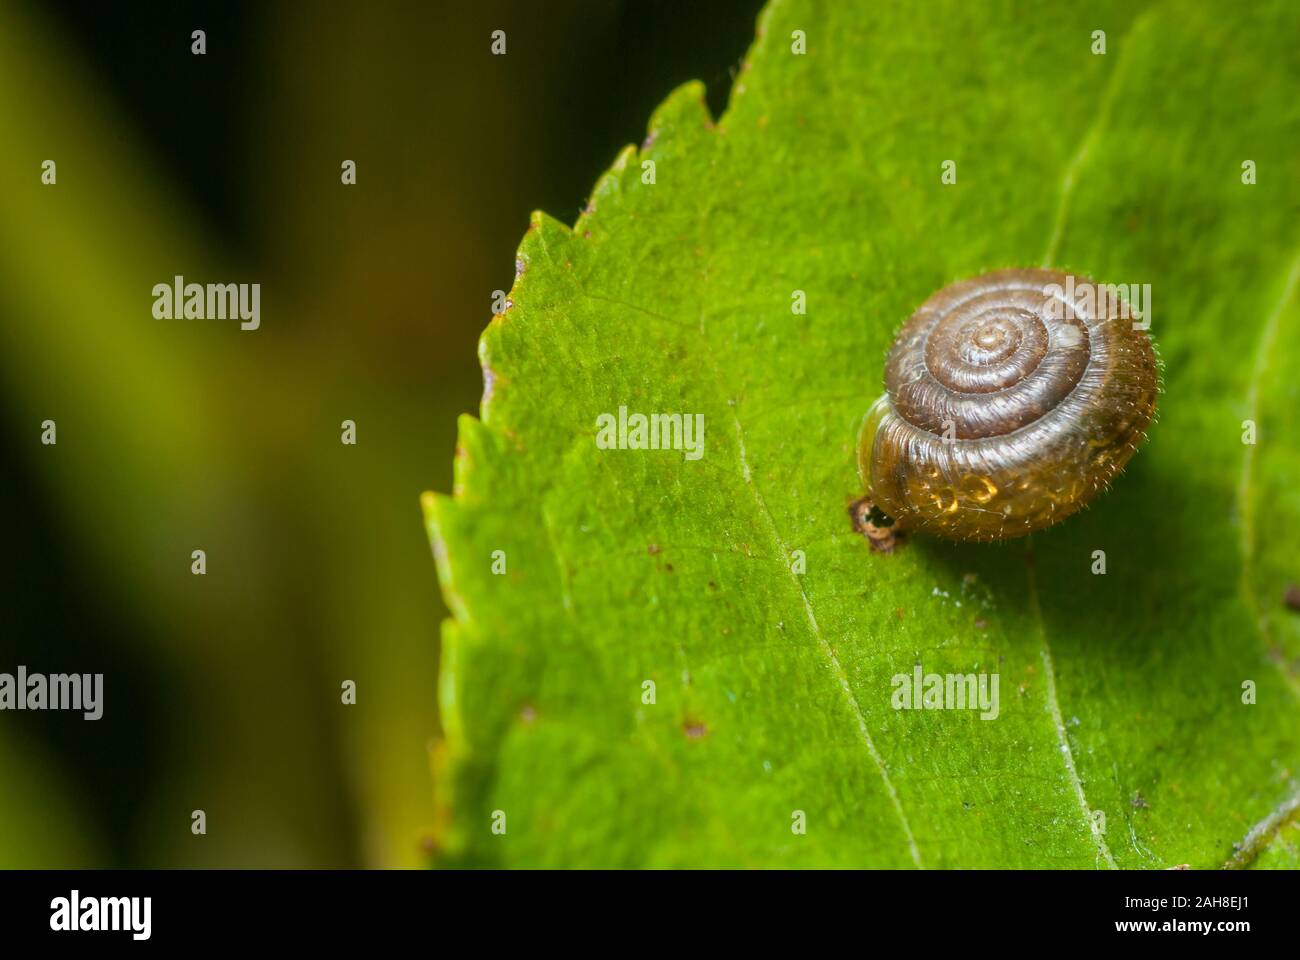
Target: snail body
x=1010, y=402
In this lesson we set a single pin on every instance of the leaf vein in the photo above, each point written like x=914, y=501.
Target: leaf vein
x=1062, y=738
x=1081, y=155
x=838, y=668
x=1245, y=485
x=1250, y=847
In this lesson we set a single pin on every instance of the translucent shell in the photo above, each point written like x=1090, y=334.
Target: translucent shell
x=1012, y=399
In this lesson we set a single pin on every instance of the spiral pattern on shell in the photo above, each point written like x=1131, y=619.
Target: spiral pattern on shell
x=1012, y=400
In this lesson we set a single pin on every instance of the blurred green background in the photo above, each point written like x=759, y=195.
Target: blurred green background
x=222, y=692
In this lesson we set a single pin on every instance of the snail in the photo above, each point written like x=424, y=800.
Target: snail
x=1012, y=399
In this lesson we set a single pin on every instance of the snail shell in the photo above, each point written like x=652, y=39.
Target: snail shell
x=1010, y=404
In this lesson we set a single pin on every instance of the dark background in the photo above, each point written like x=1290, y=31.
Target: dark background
x=222, y=691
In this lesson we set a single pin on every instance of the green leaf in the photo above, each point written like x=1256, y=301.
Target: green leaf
x=1119, y=694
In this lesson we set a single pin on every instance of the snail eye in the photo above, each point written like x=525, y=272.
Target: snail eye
x=998, y=393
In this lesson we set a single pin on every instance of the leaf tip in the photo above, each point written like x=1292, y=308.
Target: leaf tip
x=685, y=109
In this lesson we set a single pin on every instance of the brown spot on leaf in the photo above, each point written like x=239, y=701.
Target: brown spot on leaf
x=694, y=730
x=1291, y=596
